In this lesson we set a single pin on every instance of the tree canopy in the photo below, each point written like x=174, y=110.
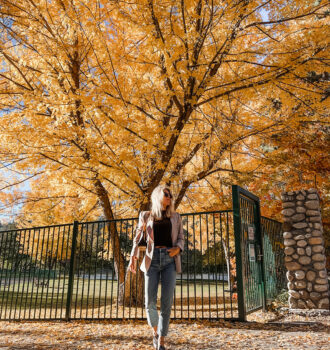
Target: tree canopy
x=104, y=100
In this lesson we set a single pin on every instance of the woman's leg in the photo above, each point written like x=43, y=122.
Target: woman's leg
x=168, y=279
x=151, y=281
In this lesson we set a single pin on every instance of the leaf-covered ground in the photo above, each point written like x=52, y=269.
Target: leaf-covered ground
x=262, y=332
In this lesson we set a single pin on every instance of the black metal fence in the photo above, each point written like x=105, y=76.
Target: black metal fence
x=69, y=271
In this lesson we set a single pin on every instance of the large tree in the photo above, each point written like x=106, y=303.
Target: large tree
x=104, y=100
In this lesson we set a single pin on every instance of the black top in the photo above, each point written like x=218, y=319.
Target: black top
x=162, y=231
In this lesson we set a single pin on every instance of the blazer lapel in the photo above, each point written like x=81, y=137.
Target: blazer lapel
x=173, y=230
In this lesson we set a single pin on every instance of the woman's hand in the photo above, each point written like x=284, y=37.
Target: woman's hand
x=132, y=265
x=173, y=251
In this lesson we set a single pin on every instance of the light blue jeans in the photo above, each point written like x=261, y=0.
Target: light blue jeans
x=162, y=268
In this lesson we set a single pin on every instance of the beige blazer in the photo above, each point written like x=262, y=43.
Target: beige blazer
x=177, y=239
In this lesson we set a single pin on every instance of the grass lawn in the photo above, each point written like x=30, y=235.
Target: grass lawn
x=98, y=298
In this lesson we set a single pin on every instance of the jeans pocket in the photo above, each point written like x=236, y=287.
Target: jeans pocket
x=154, y=262
x=169, y=258
x=169, y=255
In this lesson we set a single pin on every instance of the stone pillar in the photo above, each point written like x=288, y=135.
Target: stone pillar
x=304, y=250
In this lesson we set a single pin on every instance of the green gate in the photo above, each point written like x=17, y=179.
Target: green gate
x=273, y=258
x=249, y=252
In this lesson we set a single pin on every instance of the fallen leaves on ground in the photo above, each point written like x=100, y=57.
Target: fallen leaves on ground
x=291, y=332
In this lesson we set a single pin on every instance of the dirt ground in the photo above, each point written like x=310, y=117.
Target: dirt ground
x=263, y=331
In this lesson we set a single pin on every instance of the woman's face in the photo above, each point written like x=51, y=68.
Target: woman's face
x=167, y=198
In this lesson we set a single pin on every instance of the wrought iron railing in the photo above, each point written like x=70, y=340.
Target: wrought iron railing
x=69, y=271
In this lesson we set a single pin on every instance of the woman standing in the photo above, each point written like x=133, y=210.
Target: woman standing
x=164, y=235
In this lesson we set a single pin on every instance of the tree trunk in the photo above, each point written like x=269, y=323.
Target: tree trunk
x=229, y=275
x=134, y=285
x=119, y=259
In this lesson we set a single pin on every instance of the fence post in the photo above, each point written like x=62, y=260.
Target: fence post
x=238, y=253
x=71, y=271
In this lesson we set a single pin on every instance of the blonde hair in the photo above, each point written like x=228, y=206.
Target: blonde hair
x=157, y=197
